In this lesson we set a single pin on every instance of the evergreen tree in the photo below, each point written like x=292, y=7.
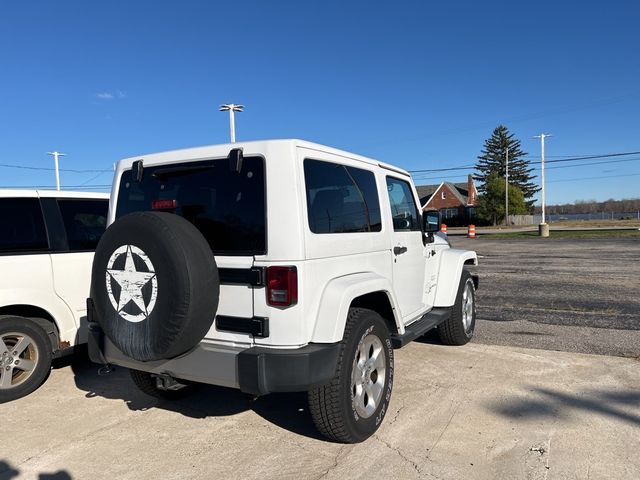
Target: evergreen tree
x=492, y=162
x=491, y=202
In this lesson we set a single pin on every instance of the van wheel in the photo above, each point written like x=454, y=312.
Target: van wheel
x=25, y=357
x=459, y=327
x=147, y=384
x=351, y=407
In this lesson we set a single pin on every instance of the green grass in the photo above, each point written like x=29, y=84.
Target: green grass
x=603, y=233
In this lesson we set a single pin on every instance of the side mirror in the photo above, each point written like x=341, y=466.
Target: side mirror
x=431, y=221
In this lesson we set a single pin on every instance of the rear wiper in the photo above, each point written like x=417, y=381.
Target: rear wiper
x=167, y=172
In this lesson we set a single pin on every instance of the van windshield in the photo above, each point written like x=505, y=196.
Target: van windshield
x=227, y=207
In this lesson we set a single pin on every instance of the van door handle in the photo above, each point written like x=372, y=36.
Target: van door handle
x=399, y=250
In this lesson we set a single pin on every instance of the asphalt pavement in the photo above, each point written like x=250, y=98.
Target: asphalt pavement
x=575, y=295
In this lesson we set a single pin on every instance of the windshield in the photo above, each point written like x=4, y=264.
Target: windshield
x=227, y=207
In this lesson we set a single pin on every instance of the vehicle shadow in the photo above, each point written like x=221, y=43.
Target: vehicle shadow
x=620, y=405
x=431, y=338
x=288, y=411
x=7, y=472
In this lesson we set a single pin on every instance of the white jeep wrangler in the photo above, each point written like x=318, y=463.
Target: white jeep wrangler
x=273, y=266
x=47, y=241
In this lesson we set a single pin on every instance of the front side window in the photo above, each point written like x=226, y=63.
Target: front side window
x=21, y=225
x=341, y=199
x=228, y=207
x=403, y=207
x=84, y=221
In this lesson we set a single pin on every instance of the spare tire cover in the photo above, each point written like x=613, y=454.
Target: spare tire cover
x=154, y=285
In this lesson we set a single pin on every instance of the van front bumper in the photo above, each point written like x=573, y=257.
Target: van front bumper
x=254, y=370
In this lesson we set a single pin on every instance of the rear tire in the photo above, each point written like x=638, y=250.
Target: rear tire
x=459, y=327
x=351, y=407
x=147, y=384
x=25, y=357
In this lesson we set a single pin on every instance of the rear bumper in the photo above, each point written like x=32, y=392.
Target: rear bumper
x=255, y=370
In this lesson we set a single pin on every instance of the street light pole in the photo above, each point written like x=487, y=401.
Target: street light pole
x=506, y=189
x=232, y=108
x=543, y=228
x=57, y=164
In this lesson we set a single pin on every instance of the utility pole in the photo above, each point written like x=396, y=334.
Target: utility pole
x=232, y=108
x=506, y=190
x=543, y=228
x=55, y=158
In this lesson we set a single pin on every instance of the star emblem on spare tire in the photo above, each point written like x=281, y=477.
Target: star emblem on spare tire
x=137, y=283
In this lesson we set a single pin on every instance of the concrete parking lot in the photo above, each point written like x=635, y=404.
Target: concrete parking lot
x=490, y=409
x=471, y=412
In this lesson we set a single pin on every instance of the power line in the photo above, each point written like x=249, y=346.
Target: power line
x=595, y=163
x=595, y=178
x=569, y=159
x=590, y=157
x=71, y=170
x=95, y=177
x=635, y=159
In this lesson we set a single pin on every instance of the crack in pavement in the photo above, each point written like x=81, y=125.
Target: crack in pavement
x=399, y=452
x=336, y=462
x=443, y=430
x=395, y=417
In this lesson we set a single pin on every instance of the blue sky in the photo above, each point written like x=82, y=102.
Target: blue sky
x=418, y=84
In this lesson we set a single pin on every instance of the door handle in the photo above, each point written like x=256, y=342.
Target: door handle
x=399, y=250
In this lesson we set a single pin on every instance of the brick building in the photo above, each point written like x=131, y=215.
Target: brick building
x=456, y=201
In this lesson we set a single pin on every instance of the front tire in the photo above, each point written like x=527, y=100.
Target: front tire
x=459, y=327
x=25, y=357
x=351, y=407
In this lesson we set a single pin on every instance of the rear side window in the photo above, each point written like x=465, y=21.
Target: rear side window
x=226, y=206
x=341, y=199
x=21, y=225
x=403, y=207
x=84, y=222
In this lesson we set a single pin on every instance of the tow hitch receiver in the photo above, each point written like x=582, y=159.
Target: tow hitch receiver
x=167, y=382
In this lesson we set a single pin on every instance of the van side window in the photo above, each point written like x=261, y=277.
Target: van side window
x=403, y=206
x=22, y=225
x=341, y=199
x=85, y=221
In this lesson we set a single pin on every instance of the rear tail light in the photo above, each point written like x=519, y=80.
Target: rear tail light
x=163, y=204
x=282, y=286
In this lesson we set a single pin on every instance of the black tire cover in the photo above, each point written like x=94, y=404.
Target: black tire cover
x=154, y=285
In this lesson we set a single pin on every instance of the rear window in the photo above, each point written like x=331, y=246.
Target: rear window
x=227, y=207
x=84, y=221
x=21, y=225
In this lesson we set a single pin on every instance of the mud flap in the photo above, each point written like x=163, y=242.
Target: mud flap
x=95, y=337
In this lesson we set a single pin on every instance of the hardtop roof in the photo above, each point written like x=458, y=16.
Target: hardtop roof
x=208, y=151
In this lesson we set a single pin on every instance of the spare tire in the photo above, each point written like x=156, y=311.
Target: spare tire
x=154, y=285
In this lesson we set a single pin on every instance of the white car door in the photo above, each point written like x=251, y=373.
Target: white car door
x=408, y=251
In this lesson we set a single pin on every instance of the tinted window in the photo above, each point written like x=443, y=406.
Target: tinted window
x=227, y=207
x=403, y=206
x=341, y=199
x=21, y=225
x=84, y=222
